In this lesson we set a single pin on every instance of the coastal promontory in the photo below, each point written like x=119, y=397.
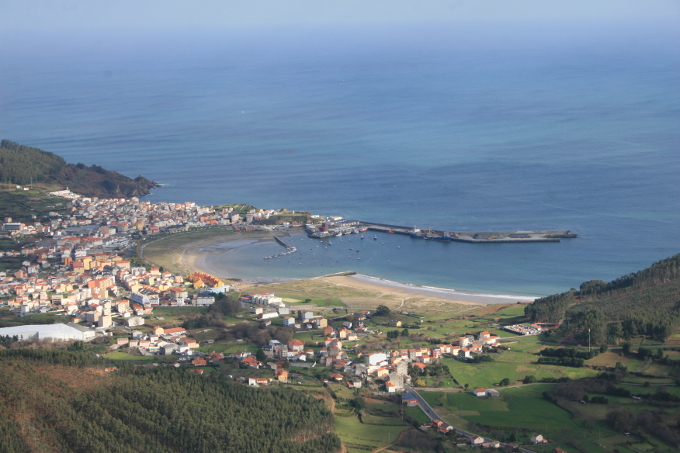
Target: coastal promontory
x=24, y=165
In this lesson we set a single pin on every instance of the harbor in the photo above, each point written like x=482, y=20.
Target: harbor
x=256, y=256
x=344, y=227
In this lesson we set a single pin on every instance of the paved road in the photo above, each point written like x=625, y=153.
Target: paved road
x=423, y=404
x=432, y=414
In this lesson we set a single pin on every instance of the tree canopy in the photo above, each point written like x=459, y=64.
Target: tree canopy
x=646, y=302
x=21, y=164
x=156, y=410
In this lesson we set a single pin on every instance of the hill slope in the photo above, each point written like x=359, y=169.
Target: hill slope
x=646, y=302
x=61, y=401
x=24, y=165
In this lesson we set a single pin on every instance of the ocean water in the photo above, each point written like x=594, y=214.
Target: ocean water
x=433, y=132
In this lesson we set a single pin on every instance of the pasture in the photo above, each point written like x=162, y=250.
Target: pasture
x=365, y=437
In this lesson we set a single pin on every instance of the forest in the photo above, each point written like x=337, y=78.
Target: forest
x=26, y=165
x=646, y=302
x=63, y=401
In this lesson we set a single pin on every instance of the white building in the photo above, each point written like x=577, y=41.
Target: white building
x=268, y=315
x=267, y=299
x=204, y=301
x=376, y=358
x=49, y=332
x=135, y=321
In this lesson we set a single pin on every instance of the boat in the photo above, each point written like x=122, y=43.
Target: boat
x=375, y=238
x=390, y=232
x=363, y=230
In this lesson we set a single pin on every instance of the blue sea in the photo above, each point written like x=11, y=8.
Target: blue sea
x=436, y=129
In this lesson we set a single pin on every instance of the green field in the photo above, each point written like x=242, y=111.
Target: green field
x=169, y=312
x=417, y=413
x=518, y=408
x=341, y=391
x=523, y=411
x=20, y=204
x=361, y=437
x=300, y=302
x=513, y=365
x=228, y=348
x=118, y=355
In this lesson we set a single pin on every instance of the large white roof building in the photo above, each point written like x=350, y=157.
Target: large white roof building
x=49, y=332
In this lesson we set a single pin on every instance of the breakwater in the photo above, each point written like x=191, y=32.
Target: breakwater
x=280, y=241
x=289, y=249
x=481, y=237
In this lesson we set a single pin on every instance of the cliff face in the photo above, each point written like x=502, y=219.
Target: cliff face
x=24, y=164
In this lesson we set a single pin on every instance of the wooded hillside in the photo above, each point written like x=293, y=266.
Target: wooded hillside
x=58, y=401
x=646, y=302
x=26, y=165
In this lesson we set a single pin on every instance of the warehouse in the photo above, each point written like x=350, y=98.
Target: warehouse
x=49, y=332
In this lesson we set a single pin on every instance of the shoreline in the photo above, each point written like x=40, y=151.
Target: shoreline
x=193, y=257
x=447, y=293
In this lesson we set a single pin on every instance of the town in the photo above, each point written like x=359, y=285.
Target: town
x=80, y=278
x=82, y=268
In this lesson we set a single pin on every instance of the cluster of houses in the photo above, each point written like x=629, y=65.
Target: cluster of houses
x=82, y=244
x=153, y=218
x=202, y=280
x=92, y=289
x=392, y=366
x=75, y=273
x=159, y=340
x=267, y=306
x=479, y=441
x=389, y=367
x=520, y=329
x=280, y=375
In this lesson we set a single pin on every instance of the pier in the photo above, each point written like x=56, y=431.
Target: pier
x=477, y=237
x=280, y=241
x=289, y=249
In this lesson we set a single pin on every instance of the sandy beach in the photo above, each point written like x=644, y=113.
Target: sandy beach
x=190, y=254
x=442, y=293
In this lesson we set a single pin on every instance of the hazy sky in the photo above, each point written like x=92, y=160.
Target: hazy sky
x=121, y=15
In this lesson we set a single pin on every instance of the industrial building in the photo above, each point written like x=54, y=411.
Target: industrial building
x=49, y=332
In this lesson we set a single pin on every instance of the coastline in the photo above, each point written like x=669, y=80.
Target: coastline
x=447, y=293
x=193, y=255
